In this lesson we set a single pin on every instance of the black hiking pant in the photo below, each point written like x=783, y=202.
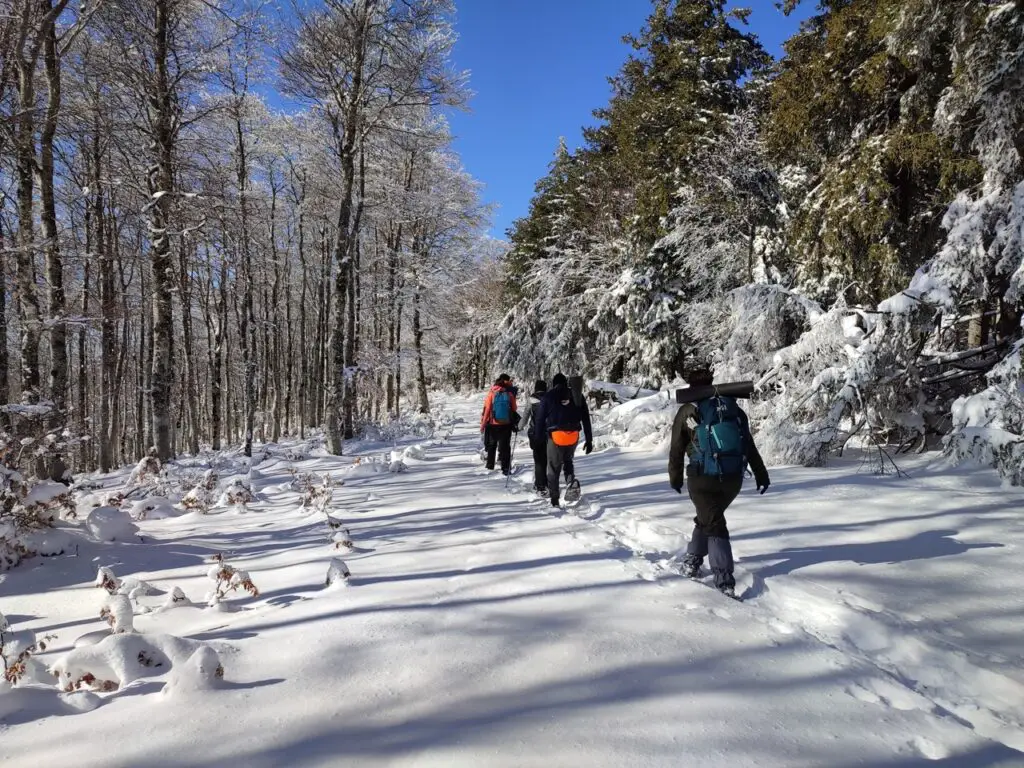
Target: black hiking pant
x=498, y=439
x=559, y=460
x=540, y=464
x=711, y=496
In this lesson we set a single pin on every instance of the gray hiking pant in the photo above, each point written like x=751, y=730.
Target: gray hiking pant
x=559, y=458
x=711, y=496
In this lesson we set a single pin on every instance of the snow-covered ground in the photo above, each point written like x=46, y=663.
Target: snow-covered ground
x=881, y=627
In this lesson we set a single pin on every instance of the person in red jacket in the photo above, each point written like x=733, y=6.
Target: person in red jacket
x=499, y=419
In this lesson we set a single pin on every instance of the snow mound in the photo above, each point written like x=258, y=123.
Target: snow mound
x=622, y=392
x=110, y=524
x=366, y=466
x=337, y=573
x=134, y=588
x=120, y=660
x=202, y=671
x=48, y=542
x=152, y=508
x=177, y=599
x=645, y=421
x=41, y=703
x=417, y=452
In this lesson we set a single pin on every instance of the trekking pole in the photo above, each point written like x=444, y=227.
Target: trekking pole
x=511, y=456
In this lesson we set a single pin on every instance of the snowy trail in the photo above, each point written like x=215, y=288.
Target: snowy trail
x=915, y=667
x=481, y=630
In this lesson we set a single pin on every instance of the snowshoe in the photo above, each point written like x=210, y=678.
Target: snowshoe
x=573, y=492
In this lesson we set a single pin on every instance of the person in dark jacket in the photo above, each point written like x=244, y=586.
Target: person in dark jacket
x=538, y=443
x=498, y=421
x=559, y=419
x=711, y=494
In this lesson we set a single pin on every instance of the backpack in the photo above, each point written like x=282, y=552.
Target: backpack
x=718, y=438
x=501, y=407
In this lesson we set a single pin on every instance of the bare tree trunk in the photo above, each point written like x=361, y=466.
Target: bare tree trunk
x=216, y=373
x=161, y=189
x=29, y=313
x=5, y=387
x=304, y=363
x=108, y=343
x=189, y=390
x=273, y=348
x=417, y=338
x=58, y=383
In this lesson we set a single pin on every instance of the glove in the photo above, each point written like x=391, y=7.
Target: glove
x=588, y=447
x=763, y=488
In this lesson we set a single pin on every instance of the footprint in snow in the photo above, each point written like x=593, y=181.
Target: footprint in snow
x=929, y=749
x=782, y=628
x=861, y=693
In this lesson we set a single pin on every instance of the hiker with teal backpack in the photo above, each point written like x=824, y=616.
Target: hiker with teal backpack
x=714, y=435
x=498, y=421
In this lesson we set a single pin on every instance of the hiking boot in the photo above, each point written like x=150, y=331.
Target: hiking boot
x=690, y=570
x=554, y=501
x=728, y=591
x=690, y=567
x=542, y=492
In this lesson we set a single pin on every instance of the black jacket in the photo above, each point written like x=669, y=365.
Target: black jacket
x=557, y=410
x=682, y=444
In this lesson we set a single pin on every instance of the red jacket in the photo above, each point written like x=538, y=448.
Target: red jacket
x=487, y=417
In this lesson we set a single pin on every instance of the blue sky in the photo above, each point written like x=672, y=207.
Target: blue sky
x=538, y=69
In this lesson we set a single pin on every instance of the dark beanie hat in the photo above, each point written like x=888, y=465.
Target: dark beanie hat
x=540, y=386
x=559, y=380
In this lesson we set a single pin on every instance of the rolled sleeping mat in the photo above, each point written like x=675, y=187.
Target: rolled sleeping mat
x=733, y=389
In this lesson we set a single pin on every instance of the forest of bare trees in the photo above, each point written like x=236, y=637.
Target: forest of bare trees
x=221, y=223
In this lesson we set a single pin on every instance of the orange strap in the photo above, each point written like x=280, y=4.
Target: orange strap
x=564, y=438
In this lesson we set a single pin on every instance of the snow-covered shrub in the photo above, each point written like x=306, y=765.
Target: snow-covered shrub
x=227, y=578
x=119, y=614
x=237, y=494
x=853, y=373
x=27, y=508
x=337, y=573
x=17, y=649
x=105, y=579
x=48, y=502
x=148, y=475
x=317, y=491
x=202, y=671
x=118, y=660
x=200, y=497
x=989, y=427
x=110, y=524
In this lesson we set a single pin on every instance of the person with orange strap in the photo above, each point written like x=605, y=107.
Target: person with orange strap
x=561, y=417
